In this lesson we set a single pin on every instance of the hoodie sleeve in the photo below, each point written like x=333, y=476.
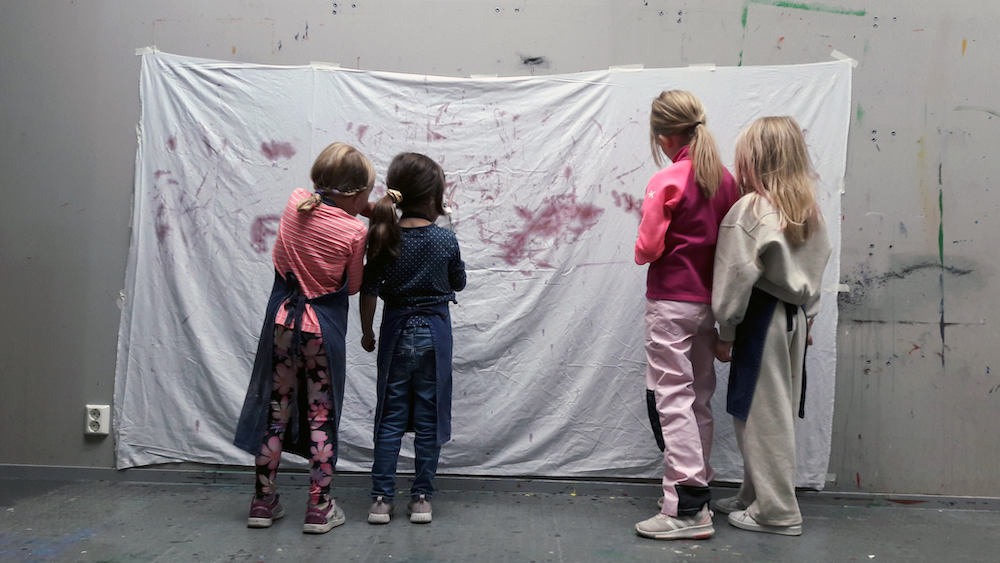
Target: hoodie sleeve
x=663, y=193
x=737, y=269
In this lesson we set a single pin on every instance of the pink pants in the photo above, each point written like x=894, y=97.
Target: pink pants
x=680, y=371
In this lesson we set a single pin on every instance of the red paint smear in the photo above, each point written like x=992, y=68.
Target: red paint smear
x=172, y=143
x=159, y=173
x=558, y=220
x=362, y=129
x=162, y=228
x=568, y=172
x=905, y=501
x=915, y=348
x=277, y=149
x=858, y=475
x=443, y=110
x=434, y=135
x=263, y=228
x=350, y=125
x=628, y=203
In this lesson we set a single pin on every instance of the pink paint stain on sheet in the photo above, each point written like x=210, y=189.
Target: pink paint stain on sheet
x=172, y=143
x=558, y=220
x=628, y=203
x=263, y=229
x=362, y=129
x=162, y=227
x=277, y=149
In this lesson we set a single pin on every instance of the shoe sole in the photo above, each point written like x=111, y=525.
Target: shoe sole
x=322, y=528
x=702, y=532
x=420, y=517
x=264, y=522
x=379, y=518
x=779, y=530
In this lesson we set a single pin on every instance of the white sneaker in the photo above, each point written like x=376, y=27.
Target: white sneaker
x=663, y=527
x=744, y=521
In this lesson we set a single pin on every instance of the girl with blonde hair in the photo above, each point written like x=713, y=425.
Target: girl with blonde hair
x=297, y=387
x=684, y=204
x=773, y=248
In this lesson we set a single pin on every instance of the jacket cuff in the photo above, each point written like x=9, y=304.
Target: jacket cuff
x=727, y=333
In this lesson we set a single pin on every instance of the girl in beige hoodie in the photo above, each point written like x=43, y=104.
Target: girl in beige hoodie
x=772, y=249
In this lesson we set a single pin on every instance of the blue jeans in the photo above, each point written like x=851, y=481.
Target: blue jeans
x=412, y=376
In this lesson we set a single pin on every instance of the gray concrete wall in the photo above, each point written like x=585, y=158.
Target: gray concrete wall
x=918, y=390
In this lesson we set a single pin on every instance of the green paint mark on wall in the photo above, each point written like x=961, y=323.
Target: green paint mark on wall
x=746, y=8
x=741, y=59
x=803, y=6
x=861, y=114
x=812, y=7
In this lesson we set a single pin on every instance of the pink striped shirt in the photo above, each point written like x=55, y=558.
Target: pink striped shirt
x=318, y=247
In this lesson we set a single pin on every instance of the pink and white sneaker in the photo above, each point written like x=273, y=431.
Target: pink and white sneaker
x=263, y=512
x=323, y=517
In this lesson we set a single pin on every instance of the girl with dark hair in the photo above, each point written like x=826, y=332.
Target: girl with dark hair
x=416, y=267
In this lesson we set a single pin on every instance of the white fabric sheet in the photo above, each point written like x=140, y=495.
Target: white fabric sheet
x=545, y=175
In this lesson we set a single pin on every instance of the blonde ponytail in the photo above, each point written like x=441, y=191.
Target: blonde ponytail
x=676, y=112
x=309, y=203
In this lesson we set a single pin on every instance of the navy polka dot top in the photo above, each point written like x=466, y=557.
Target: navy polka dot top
x=429, y=270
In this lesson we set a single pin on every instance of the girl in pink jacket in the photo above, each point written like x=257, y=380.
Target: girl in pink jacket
x=684, y=204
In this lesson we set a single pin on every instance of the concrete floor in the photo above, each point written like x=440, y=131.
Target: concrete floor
x=54, y=520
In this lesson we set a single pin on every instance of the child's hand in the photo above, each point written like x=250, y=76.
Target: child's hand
x=368, y=341
x=724, y=351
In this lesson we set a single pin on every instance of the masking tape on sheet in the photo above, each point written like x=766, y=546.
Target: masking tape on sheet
x=842, y=57
x=324, y=66
x=625, y=68
x=146, y=50
x=709, y=67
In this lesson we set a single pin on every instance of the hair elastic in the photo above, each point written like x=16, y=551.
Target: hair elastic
x=395, y=195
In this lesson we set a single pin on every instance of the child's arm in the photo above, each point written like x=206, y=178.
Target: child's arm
x=356, y=263
x=367, y=306
x=737, y=269
x=662, y=195
x=456, y=270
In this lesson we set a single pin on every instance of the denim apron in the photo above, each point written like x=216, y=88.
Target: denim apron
x=439, y=320
x=331, y=311
x=748, y=350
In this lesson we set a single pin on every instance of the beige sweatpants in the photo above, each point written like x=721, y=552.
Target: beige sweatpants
x=767, y=438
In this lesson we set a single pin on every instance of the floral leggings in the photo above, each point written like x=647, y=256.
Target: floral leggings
x=312, y=358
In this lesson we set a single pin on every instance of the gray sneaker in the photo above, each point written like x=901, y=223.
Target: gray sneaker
x=419, y=510
x=663, y=527
x=381, y=511
x=728, y=505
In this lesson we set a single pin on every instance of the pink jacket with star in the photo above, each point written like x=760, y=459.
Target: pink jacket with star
x=678, y=232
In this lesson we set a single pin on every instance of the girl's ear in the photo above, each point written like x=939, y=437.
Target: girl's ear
x=664, y=142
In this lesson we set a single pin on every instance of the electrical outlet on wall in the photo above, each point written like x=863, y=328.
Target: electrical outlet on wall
x=98, y=420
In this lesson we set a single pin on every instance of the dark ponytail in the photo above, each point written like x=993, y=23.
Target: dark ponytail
x=413, y=180
x=383, y=230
